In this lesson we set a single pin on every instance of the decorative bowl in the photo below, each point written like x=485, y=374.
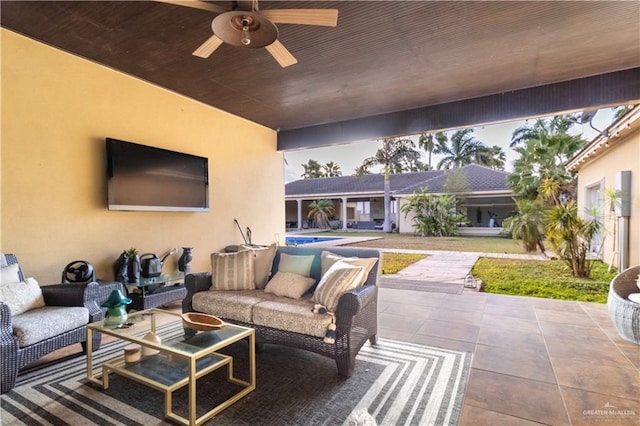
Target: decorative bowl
x=202, y=322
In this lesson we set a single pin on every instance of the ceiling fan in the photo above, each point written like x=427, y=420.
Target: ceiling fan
x=245, y=26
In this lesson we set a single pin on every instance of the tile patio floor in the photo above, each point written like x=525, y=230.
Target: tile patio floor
x=535, y=361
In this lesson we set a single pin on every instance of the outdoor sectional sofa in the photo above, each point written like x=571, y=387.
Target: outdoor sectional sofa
x=292, y=321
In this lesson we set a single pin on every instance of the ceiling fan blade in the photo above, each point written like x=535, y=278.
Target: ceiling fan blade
x=281, y=54
x=206, y=49
x=323, y=17
x=196, y=4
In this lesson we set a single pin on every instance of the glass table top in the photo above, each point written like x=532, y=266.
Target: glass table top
x=169, y=327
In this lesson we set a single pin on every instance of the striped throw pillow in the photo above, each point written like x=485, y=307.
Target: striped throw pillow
x=232, y=271
x=338, y=280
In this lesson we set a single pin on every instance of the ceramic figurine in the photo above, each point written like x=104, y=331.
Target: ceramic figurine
x=116, y=308
x=185, y=258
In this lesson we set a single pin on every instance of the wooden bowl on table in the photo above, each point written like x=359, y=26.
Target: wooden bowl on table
x=202, y=322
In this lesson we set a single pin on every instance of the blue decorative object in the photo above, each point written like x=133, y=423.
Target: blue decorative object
x=117, y=312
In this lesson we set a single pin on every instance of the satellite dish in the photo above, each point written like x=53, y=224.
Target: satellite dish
x=587, y=116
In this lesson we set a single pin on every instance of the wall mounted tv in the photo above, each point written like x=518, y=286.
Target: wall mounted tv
x=145, y=178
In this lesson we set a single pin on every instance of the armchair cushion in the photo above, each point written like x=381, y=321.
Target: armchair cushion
x=22, y=296
x=39, y=324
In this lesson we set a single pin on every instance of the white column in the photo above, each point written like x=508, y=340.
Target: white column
x=344, y=213
x=299, y=214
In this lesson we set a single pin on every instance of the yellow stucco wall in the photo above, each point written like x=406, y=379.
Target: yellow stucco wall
x=56, y=111
x=623, y=155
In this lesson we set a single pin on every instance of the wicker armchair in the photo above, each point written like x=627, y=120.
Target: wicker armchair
x=13, y=356
x=624, y=313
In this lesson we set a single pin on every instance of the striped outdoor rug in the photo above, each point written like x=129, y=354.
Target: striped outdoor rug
x=398, y=383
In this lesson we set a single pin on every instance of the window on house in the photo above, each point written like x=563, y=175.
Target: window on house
x=594, y=206
x=363, y=207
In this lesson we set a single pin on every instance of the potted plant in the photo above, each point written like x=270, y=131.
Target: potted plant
x=133, y=269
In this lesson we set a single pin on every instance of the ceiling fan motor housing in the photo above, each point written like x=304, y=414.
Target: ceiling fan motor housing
x=230, y=28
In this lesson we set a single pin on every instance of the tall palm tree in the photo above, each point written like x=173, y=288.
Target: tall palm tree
x=426, y=142
x=393, y=151
x=458, y=151
x=493, y=156
x=320, y=211
x=331, y=169
x=312, y=170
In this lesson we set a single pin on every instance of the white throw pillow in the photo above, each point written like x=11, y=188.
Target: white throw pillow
x=329, y=259
x=22, y=296
x=10, y=274
x=288, y=284
x=232, y=271
x=300, y=265
x=338, y=280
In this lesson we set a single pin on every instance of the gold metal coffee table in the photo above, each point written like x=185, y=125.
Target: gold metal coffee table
x=179, y=361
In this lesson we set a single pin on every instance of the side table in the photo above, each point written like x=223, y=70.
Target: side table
x=157, y=291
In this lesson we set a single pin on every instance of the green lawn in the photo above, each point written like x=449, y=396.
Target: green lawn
x=539, y=278
x=394, y=262
x=414, y=242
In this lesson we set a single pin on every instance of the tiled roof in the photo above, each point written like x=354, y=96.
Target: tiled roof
x=480, y=179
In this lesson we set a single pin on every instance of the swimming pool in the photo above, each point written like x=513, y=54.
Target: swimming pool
x=299, y=241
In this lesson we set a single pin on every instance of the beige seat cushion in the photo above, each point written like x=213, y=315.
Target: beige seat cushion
x=235, y=305
x=43, y=323
x=291, y=315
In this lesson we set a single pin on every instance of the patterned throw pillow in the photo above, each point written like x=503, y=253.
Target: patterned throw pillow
x=328, y=259
x=290, y=285
x=262, y=261
x=338, y=280
x=300, y=265
x=22, y=296
x=232, y=271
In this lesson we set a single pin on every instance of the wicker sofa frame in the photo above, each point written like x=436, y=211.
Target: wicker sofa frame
x=356, y=315
x=624, y=313
x=13, y=357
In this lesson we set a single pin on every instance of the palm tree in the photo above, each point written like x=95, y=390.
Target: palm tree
x=320, y=211
x=527, y=225
x=621, y=110
x=541, y=160
x=312, y=170
x=363, y=169
x=571, y=236
x=393, y=151
x=556, y=124
x=459, y=151
x=426, y=142
x=331, y=169
x=493, y=156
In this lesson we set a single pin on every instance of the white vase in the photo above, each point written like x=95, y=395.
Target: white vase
x=151, y=337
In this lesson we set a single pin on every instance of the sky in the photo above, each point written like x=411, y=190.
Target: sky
x=350, y=156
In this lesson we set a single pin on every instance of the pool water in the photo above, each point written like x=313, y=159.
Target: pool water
x=298, y=241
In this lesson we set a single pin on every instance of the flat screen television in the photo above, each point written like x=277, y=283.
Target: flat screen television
x=146, y=178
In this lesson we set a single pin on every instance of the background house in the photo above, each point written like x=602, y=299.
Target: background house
x=359, y=201
x=601, y=166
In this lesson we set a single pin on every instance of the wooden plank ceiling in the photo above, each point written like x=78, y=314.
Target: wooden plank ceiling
x=384, y=56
